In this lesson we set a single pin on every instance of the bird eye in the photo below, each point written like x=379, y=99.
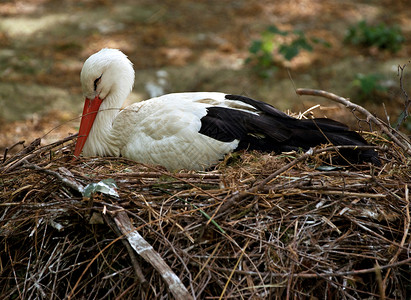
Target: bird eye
x=96, y=82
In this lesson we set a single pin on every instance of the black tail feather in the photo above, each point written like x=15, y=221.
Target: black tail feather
x=272, y=130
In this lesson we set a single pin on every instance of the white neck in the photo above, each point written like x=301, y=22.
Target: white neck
x=116, y=79
x=100, y=141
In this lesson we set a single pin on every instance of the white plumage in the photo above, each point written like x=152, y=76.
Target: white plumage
x=164, y=131
x=185, y=130
x=161, y=130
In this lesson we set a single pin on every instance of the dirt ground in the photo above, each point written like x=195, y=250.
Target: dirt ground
x=193, y=46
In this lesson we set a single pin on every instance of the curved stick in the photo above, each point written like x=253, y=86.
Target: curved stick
x=370, y=117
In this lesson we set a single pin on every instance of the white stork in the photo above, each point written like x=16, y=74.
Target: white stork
x=190, y=130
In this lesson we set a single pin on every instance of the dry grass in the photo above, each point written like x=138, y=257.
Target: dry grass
x=229, y=233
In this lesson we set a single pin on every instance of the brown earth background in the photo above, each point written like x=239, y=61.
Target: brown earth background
x=186, y=46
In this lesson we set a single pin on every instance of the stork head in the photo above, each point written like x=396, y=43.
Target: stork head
x=106, y=77
x=105, y=72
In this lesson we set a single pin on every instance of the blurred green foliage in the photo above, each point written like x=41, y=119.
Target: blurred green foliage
x=368, y=85
x=263, y=51
x=381, y=36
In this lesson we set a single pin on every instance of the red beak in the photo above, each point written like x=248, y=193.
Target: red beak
x=90, y=111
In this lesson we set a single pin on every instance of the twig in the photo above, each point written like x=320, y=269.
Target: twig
x=72, y=292
x=354, y=272
x=10, y=148
x=66, y=181
x=304, y=157
x=261, y=186
x=144, y=249
x=8, y=165
x=137, y=269
x=407, y=222
x=313, y=275
x=33, y=145
x=404, y=114
x=233, y=270
x=138, y=243
x=405, y=145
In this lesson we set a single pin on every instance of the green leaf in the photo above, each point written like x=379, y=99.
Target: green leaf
x=289, y=52
x=368, y=83
x=381, y=36
x=267, y=46
x=302, y=43
x=262, y=50
x=255, y=47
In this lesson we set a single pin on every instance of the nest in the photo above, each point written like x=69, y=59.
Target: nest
x=257, y=226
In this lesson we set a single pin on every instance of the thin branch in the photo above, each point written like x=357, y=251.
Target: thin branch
x=315, y=275
x=136, y=266
x=354, y=272
x=404, y=144
x=78, y=187
x=8, y=165
x=236, y=197
x=6, y=151
x=404, y=114
x=146, y=251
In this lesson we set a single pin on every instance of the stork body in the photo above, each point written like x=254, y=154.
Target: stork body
x=190, y=130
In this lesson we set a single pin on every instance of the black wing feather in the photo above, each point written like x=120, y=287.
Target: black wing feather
x=273, y=130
